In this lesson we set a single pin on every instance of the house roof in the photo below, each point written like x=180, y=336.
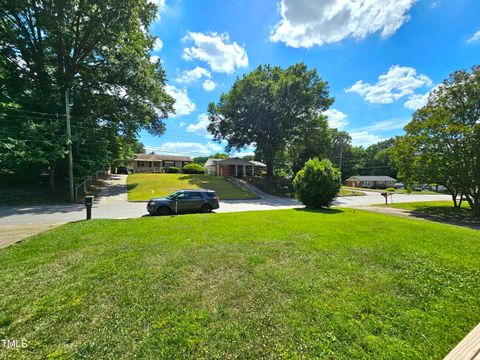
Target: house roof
x=233, y=161
x=371, y=178
x=155, y=157
x=258, y=163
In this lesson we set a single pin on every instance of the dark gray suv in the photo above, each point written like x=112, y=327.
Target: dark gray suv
x=184, y=201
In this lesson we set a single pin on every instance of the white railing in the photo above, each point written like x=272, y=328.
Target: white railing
x=86, y=184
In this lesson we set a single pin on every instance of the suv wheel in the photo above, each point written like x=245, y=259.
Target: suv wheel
x=164, y=211
x=206, y=208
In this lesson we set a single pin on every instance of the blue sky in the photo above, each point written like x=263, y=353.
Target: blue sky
x=381, y=58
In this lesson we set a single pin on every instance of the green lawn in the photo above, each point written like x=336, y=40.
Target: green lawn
x=269, y=284
x=348, y=192
x=443, y=209
x=140, y=186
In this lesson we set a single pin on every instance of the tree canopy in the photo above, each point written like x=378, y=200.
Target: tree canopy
x=99, y=51
x=269, y=108
x=442, y=142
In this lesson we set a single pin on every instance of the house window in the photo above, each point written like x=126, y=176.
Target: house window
x=169, y=164
x=366, y=183
x=141, y=164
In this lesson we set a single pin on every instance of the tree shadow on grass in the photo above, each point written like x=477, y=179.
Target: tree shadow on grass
x=327, y=211
x=131, y=186
x=447, y=214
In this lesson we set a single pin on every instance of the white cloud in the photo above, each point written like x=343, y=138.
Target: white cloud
x=384, y=125
x=183, y=104
x=154, y=59
x=215, y=147
x=398, y=82
x=364, y=138
x=243, y=153
x=180, y=148
x=161, y=6
x=185, y=148
x=182, y=124
x=336, y=118
x=158, y=44
x=306, y=23
x=209, y=85
x=190, y=76
x=417, y=101
x=475, y=37
x=200, y=127
x=217, y=51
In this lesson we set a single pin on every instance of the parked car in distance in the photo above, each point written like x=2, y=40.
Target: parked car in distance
x=122, y=170
x=184, y=201
x=399, y=185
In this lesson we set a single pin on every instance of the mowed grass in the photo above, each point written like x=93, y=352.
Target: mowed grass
x=140, y=186
x=348, y=192
x=270, y=284
x=442, y=209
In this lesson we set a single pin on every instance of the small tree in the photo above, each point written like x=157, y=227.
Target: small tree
x=317, y=184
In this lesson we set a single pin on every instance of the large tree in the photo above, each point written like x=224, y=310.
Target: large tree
x=442, y=142
x=99, y=51
x=269, y=108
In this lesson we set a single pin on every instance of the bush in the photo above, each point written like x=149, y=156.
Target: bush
x=172, y=170
x=193, y=169
x=317, y=184
x=390, y=189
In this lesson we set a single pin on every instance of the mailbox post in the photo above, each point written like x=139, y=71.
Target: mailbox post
x=88, y=205
x=385, y=195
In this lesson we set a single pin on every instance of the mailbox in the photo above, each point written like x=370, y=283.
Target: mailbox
x=88, y=204
x=88, y=200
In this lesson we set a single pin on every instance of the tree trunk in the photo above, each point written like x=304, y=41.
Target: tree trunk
x=454, y=198
x=51, y=176
x=269, y=164
x=460, y=201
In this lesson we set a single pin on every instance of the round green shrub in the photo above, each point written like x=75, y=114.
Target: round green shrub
x=193, y=169
x=390, y=189
x=172, y=170
x=317, y=184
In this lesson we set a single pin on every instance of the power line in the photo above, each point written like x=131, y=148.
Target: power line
x=29, y=111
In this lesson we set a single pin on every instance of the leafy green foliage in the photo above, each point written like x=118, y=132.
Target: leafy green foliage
x=442, y=142
x=270, y=107
x=193, y=169
x=317, y=184
x=172, y=170
x=100, y=52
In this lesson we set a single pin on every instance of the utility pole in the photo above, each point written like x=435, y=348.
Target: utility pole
x=341, y=154
x=69, y=142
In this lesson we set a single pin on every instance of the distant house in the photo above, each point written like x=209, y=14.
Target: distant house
x=378, y=182
x=233, y=167
x=153, y=163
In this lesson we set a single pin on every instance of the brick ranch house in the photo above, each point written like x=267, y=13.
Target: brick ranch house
x=153, y=163
x=377, y=182
x=233, y=167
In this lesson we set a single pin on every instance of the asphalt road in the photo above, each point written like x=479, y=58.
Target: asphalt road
x=115, y=206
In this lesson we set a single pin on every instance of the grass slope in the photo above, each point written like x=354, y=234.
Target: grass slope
x=273, y=284
x=140, y=186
